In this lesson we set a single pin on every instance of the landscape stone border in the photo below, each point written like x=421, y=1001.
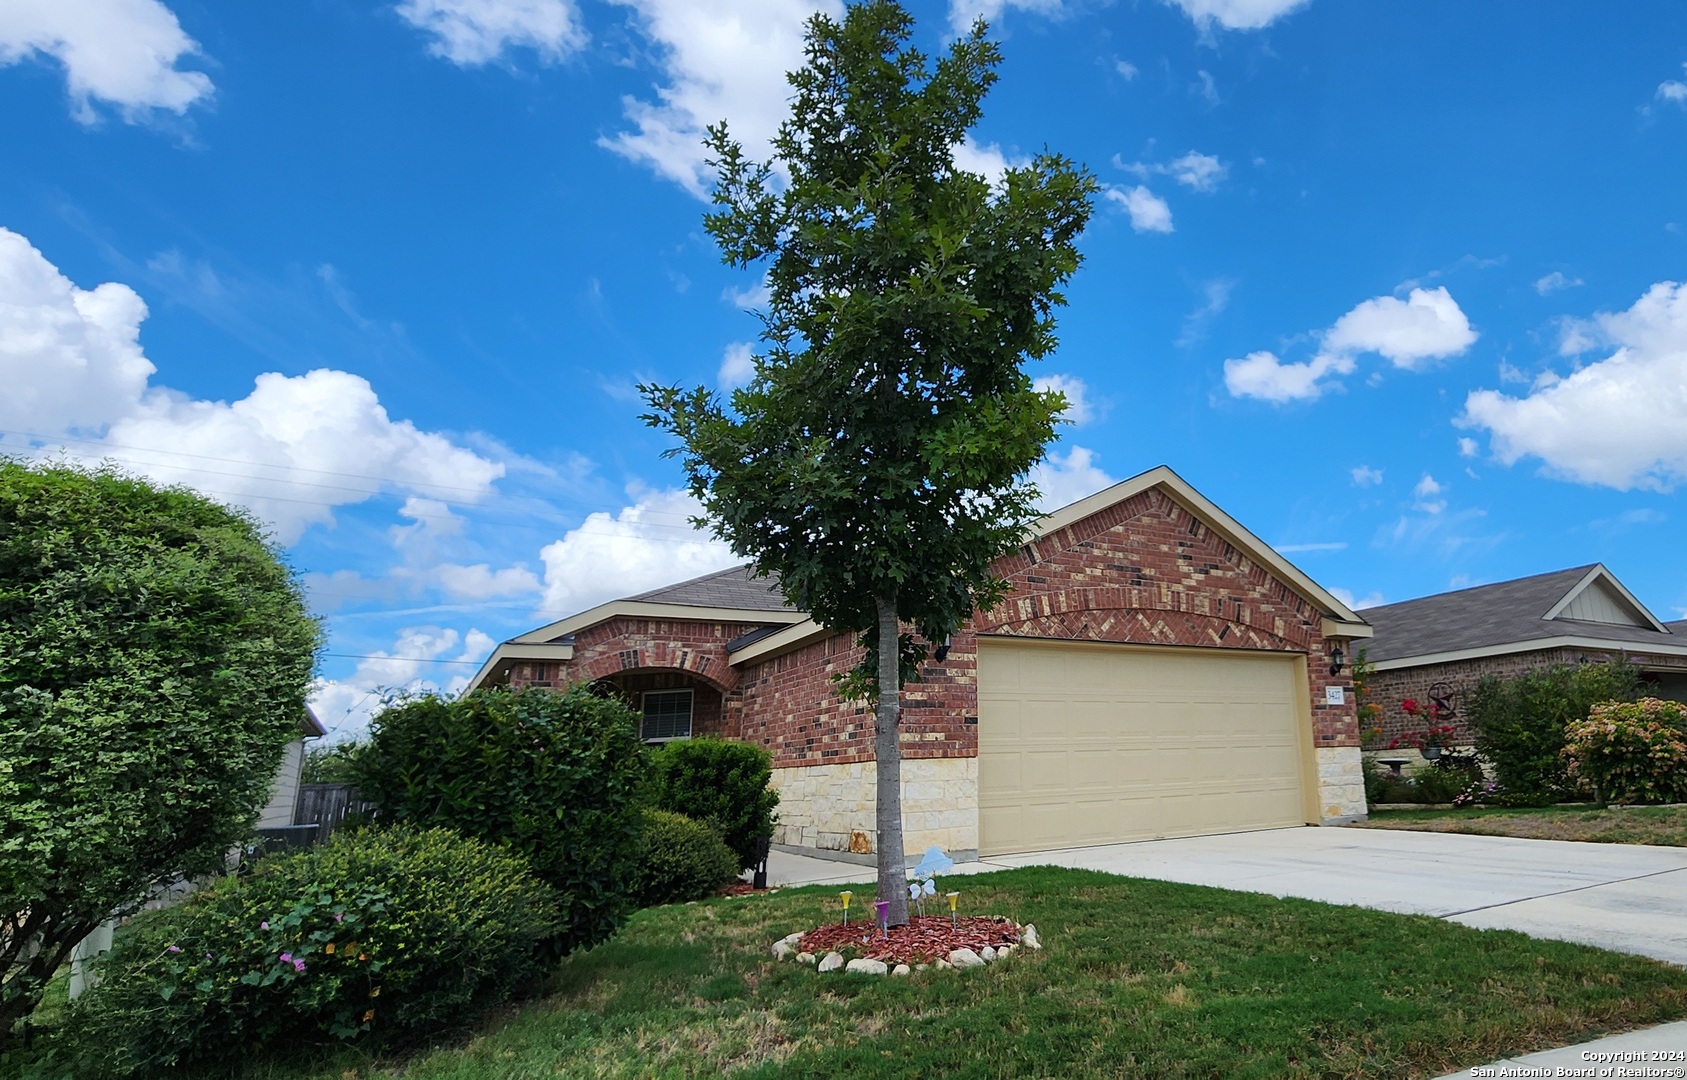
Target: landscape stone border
x=786, y=949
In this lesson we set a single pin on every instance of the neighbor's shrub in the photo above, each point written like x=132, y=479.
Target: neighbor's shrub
x=681, y=859
x=330, y=764
x=155, y=653
x=555, y=775
x=374, y=936
x=1519, y=724
x=725, y=784
x=1631, y=752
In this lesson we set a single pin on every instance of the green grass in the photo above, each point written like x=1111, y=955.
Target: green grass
x=1661, y=825
x=1138, y=978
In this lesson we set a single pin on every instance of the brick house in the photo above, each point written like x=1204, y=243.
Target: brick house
x=1156, y=670
x=1441, y=646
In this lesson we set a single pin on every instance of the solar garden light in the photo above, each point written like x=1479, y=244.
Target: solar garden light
x=845, y=895
x=884, y=917
x=954, y=919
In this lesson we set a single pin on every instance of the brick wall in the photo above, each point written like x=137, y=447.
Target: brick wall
x=1144, y=571
x=631, y=645
x=1389, y=688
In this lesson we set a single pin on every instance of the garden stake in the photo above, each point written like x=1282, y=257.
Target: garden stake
x=954, y=920
x=884, y=917
x=846, y=894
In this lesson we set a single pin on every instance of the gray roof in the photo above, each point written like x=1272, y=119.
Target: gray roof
x=732, y=588
x=1505, y=613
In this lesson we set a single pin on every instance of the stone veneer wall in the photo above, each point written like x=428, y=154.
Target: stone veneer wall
x=1341, y=785
x=831, y=807
x=1389, y=688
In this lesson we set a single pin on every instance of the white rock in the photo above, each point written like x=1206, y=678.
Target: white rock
x=792, y=939
x=901, y=969
x=1028, y=937
x=965, y=958
x=943, y=965
x=1002, y=952
x=922, y=967
x=867, y=967
x=806, y=958
x=782, y=950
x=832, y=962
x=988, y=954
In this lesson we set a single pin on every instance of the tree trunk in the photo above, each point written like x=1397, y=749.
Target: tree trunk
x=887, y=755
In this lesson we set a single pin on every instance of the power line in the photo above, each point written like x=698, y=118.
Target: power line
x=414, y=659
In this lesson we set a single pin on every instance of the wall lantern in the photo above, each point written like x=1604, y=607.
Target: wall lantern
x=941, y=653
x=1337, y=659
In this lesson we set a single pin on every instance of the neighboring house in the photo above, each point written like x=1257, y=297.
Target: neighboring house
x=1155, y=671
x=284, y=791
x=1441, y=646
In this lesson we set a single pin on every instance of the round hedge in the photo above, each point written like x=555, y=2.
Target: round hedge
x=681, y=859
x=378, y=934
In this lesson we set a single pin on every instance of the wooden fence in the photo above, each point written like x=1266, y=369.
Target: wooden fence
x=326, y=806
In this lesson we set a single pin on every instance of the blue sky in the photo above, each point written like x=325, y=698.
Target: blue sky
x=1395, y=285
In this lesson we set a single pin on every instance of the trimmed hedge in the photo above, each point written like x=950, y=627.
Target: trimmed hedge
x=553, y=775
x=1631, y=752
x=722, y=783
x=373, y=936
x=681, y=859
x=1519, y=724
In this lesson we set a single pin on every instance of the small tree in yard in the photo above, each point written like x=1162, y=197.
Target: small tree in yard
x=154, y=659
x=877, y=461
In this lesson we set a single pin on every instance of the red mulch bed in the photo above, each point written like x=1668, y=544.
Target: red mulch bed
x=739, y=888
x=926, y=938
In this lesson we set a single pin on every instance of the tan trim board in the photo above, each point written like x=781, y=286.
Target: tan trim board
x=1335, y=628
x=1599, y=572
x=1532, y=645
x=644, y=609
x=1202, y=507
x=791, y=638
x=509, y=652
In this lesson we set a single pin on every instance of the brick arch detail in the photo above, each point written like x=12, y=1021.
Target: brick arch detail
x=706, y=665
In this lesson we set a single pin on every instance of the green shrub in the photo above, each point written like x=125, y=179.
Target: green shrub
x=374, y=936
x=681, y=859
x=1519, y=724
x=725, y=784
x=553, y=775
x=155, y=654
x=1631, y=752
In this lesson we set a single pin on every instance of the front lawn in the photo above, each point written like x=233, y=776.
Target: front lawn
x=1138, y=978
x=1663, y=825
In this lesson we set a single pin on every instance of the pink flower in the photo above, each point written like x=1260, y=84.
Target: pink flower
x=339, y=918
x=298, y=965
x=286, y=958
x=174, y=948
x=263, y=926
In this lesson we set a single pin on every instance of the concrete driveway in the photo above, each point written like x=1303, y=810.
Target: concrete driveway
x=1617, y=896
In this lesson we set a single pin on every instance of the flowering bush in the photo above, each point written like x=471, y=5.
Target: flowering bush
x=1631, y=751
x=374, y=935
x=1480, y=792
x=1434, y=736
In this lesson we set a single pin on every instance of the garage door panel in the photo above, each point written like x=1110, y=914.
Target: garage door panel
x=1082, y=744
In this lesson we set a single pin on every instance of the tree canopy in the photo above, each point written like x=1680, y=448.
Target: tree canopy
x=878, y=458
x=155, y=654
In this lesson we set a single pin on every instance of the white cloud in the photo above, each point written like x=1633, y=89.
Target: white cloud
x=1371, y=599
x=720, y=60
x=1468, y=447
x=1427, y=325
x=1126, y=69
x=1195, y=324
x=121, y=52
x=345, y=705
x=962, y=13
x=1078, y=409
x=737, y=365
x=1555, y=281
x=1426, y=491
x=1205, y=87
x=1296, y=549
x=1196, y=170
x=291, y=450
x=1621, y=421
x=1149, y=212
x=1238, y=14
x=1062, y=481
x=752, y=298
x=647, y=544
x=986, y=160
x=1262, y=375
x=1674, y=90
x=481, y=582
x=1365, y=476
x=476, y=32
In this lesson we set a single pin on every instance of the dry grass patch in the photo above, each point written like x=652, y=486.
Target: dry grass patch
x=1652, y=825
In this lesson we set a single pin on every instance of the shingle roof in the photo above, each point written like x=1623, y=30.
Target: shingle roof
x=733, y=588
x=1504, y=613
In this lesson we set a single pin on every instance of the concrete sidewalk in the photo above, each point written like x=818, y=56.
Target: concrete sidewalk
x=1632, y=1050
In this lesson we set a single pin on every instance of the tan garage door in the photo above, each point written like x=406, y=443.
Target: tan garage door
x=1083, y=744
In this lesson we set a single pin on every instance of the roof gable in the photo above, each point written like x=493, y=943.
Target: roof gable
x=1600, y=598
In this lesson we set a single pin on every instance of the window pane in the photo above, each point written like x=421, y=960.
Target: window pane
x=667, y=714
